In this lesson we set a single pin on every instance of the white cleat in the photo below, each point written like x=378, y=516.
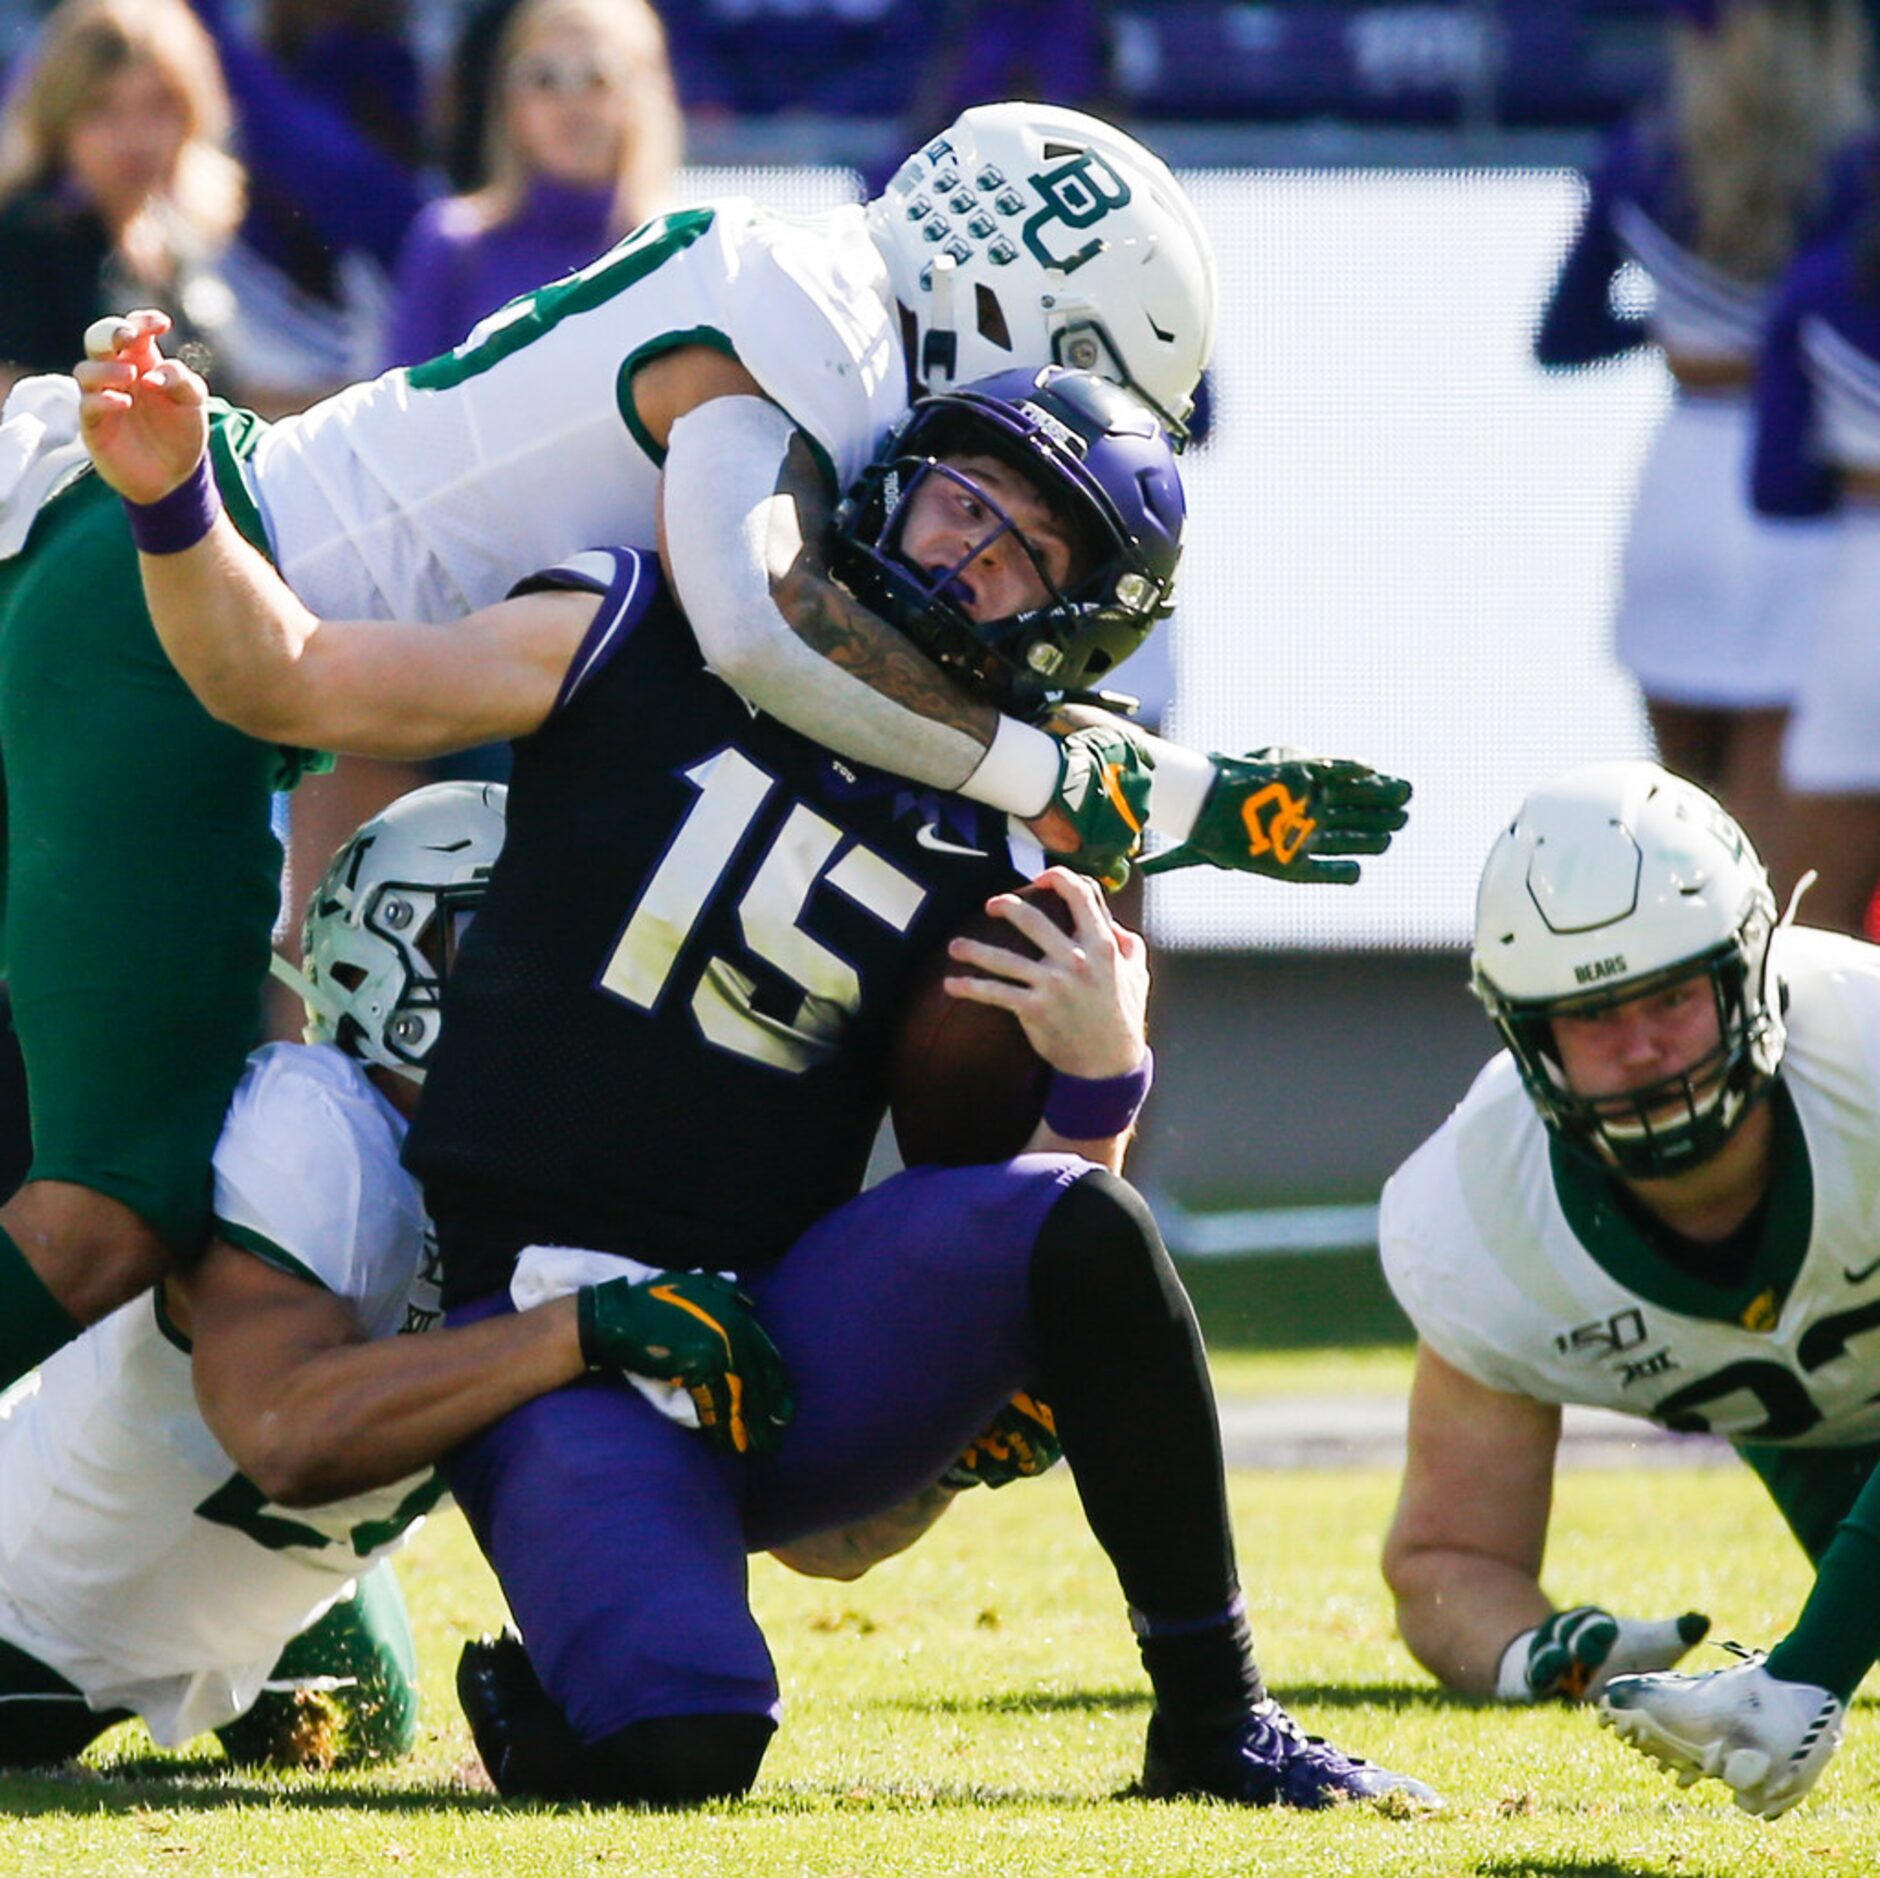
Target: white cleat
x=1765, y=1739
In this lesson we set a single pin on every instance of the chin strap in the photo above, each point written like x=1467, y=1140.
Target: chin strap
x=311, y=995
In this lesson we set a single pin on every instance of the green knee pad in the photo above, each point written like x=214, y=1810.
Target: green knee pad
x=364, y=1645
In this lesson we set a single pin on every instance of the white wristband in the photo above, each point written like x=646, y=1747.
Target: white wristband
x=1177, y=788
x=1018, y=773
x=1511, y=1680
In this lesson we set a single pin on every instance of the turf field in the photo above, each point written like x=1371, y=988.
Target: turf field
x=974, y=1706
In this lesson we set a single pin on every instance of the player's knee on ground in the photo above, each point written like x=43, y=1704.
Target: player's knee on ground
x=532, y=1752
x=681, y=1760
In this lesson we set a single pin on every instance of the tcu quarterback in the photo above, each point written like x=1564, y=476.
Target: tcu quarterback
x=668, y=1041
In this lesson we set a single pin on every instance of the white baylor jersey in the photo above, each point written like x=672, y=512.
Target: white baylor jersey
x=428, y=492
x=134, y=1558
x=1517, y=1266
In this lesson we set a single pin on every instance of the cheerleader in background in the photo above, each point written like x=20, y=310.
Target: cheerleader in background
x=1757, y=149
x=1818, y=454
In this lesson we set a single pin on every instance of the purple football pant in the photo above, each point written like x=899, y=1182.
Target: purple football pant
x=620, y=1537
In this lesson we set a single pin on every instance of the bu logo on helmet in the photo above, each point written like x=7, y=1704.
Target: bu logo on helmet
x=1078, y=193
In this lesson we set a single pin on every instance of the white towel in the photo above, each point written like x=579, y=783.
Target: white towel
x=40, y=452
x=546, y=1272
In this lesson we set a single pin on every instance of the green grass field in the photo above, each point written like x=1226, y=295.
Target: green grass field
x=975, y=1706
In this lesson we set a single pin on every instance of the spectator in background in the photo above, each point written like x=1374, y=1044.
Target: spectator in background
x=1711, y=191
x=580, y=148
x=1818, y=454
x=116, y=188
x=327, y=122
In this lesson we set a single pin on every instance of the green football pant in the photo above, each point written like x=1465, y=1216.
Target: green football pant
x=139, y=877
x=1813, y=1488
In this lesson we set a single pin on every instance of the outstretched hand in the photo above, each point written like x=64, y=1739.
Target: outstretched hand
x=1291, y=817
x=144, y=417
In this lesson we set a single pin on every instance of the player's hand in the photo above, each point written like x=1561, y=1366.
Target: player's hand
x=145, y=418
x=1094, y=821
x=700, y=1332
x=1575, y=1653
x=1083, y=1001
x=1021, y=1442
x=1291, y=816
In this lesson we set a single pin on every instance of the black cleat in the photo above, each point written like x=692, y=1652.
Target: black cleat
x=1266, y=1759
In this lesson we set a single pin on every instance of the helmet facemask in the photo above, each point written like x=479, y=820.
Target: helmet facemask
x=1658, y=1129
x=1048, y=429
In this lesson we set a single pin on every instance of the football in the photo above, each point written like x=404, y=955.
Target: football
x=965, y=1084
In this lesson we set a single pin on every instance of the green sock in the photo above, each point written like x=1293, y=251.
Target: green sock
x=33, y=1323
x=1836, y=1640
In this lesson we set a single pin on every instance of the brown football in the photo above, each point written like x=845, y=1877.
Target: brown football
x=965, y=1084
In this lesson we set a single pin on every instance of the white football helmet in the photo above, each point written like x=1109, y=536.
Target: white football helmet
x=1610, y=882
x=382, y=926
x=1029, y=235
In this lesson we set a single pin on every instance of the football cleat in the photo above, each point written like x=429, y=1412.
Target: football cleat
x=1267, y=1759
x=1765, y=1739
x=524, y=1740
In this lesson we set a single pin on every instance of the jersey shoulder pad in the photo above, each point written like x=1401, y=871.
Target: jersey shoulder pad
x=1432, y=1229
x=307, y=1174
x=626, y=581
x=811, y=319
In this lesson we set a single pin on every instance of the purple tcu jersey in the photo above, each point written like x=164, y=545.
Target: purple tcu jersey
x=669, y=1026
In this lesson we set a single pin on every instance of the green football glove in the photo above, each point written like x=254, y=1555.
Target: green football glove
x=1020, y=1442
x=1290, y=816
x=697, y=1331
x=1574, y=1653
x=1103, y=794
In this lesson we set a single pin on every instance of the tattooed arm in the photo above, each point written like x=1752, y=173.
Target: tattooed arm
x=744, y=513
x=831, y=621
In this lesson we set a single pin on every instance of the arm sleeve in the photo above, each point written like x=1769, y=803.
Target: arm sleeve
x=719, y=504
x=1788, y=477
x=1578, y=325
x=350, y=191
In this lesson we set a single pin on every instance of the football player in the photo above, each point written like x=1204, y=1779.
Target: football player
x=220, y=1467
x=1658, y=1199
x=712, y=382
x=667, y=1040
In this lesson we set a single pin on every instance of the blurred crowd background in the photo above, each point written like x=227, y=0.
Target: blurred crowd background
x=1544, y=423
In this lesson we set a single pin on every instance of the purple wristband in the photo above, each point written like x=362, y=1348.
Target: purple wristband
x=179, y=520
x=1093, y=1108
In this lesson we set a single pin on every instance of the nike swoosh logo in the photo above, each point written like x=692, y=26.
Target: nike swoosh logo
x=1860, y=1277
x=931, y=837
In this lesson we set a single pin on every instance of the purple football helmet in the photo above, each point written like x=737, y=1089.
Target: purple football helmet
x=1098, y=459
